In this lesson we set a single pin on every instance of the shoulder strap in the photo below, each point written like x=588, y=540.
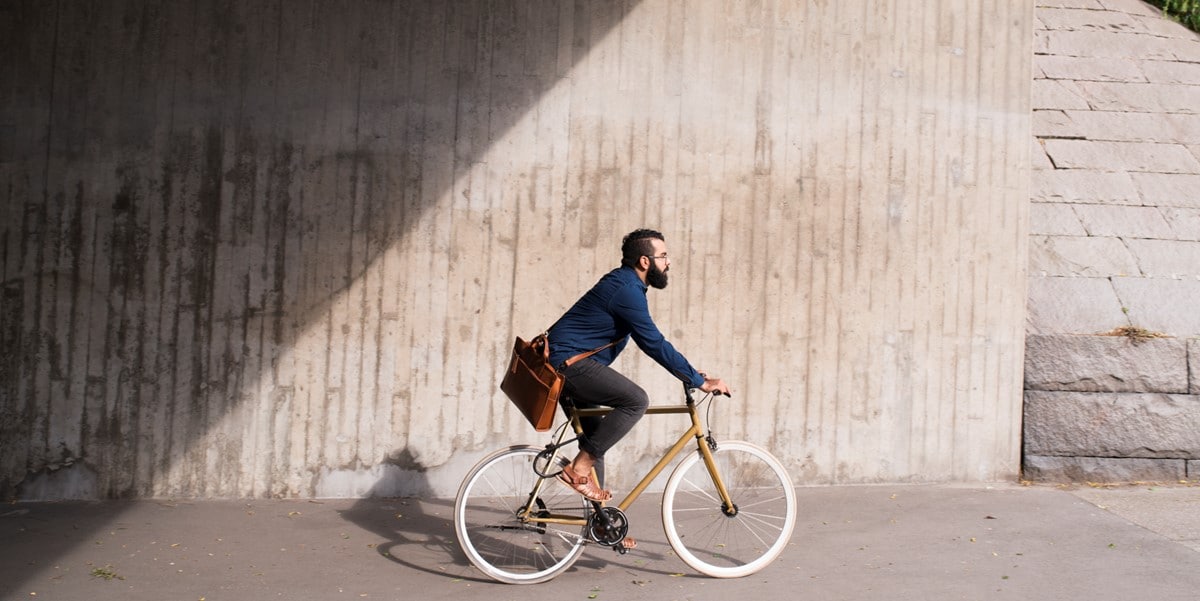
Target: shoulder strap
x=585, y=355
x=545, y=336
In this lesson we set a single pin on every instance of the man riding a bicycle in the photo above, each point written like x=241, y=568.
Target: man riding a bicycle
x=615, y=310
x=728, y=507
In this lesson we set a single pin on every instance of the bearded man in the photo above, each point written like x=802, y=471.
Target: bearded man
x=613, y=311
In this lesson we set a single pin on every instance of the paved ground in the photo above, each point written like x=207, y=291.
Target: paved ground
x=859, y=543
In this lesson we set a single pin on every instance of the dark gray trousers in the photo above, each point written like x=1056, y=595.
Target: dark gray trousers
x=592, y=384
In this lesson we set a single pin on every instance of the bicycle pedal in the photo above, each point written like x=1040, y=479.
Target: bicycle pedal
x=620, y=549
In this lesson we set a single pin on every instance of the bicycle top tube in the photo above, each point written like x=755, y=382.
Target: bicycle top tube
x=688, y=406
x=651, y=410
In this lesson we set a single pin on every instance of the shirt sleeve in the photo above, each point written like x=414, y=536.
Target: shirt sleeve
x=629, y=305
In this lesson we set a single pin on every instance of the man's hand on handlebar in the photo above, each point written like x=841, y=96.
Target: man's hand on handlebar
x=715, y=385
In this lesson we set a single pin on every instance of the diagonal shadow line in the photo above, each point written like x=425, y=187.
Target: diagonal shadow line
x=167, y=140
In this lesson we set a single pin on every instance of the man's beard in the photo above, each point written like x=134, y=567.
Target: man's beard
x=656, y=277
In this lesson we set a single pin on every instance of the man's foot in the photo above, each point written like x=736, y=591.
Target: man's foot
x=583, y=485
x=629, y=543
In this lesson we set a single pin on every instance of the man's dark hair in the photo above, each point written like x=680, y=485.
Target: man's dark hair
x=637, y=245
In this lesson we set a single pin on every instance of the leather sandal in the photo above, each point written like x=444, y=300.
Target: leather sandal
x=583, y=485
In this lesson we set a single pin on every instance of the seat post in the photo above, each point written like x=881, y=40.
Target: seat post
x=568, y=406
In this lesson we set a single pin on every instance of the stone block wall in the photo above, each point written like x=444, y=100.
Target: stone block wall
x=1111, y=408
x=1115, y=244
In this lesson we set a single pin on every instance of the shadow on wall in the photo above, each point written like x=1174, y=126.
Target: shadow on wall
x=189, y=187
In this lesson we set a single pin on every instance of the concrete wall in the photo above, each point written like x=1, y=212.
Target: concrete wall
x=1115, y=246
x=272, y=249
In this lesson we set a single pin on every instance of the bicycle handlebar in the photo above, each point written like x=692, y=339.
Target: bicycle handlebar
x=688, y=390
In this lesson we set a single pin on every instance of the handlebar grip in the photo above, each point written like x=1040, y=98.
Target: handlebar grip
x=688, y=390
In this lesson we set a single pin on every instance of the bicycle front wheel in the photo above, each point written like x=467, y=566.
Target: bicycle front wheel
x=493, y=536
x=729, y=542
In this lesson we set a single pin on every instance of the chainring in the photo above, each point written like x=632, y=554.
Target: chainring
x=608, y=526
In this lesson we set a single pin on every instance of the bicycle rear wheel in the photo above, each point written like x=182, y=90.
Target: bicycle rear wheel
x=729, y=542
x=500, y=544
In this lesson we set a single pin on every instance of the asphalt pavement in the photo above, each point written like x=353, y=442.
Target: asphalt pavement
x=927, y=542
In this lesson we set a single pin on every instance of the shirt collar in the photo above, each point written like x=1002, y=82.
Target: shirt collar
x=631, y=274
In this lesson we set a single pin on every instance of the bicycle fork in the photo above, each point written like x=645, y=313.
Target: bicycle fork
x=707, y=448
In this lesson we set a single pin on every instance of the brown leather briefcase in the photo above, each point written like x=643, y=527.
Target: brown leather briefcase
x=532, y=384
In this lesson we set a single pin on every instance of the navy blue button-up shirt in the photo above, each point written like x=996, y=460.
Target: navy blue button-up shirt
x=616, y=309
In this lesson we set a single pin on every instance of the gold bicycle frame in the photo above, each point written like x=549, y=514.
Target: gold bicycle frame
x=696, y=432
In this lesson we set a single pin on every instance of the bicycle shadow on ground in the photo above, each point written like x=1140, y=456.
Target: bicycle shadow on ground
x=418, y=534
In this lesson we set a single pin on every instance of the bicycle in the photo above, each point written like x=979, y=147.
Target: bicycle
x=728, y=509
